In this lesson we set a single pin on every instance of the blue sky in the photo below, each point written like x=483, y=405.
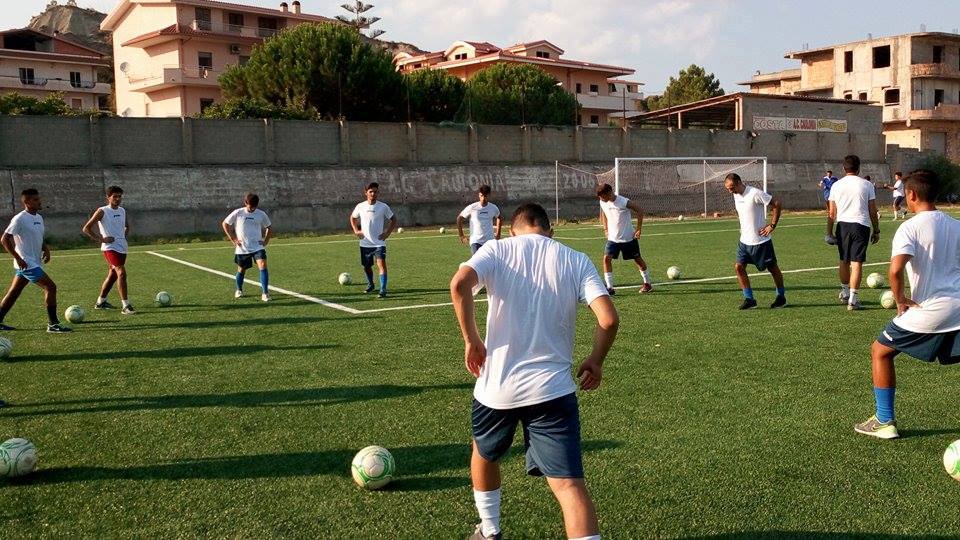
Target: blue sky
x=731, y=38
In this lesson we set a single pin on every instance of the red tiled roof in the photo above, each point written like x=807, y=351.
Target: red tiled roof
x=54, y=57
x=561, y=62
x=483, y=46
x=182, y=30
x=51, y=36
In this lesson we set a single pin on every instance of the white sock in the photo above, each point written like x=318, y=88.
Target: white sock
x=488, y=506
x=594, y=537
x=646, y=276
x=101, y=299
x=608, y=279
x=126, y=303
x=853, y=295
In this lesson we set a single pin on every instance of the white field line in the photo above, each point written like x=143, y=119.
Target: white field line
x=725, y=278
x=333, y=305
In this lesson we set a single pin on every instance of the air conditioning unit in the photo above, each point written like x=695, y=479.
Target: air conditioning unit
x=234, y=49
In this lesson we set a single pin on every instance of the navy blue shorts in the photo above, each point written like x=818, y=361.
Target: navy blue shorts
x=474, y=248
x=245, y=260
x=551, y=435
x=945, y=348
x=761, y=255
x=32, y=275
x=630, y=250
x=367, y=255
x=852, y=241
x=898, y=201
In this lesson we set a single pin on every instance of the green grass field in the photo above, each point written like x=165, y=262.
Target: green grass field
x=231, y=418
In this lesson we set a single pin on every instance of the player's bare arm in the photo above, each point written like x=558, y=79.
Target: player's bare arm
x=9, y=247
x=897, y=265
x=875, y=237
x=635, y=208
x=590, y=372
x=499, y=227
x=267, y=235
x=231, y=234
x=390, y=227
x=355, y=225
x=831, y=218
x=461, y=287
x=88, y=228
x=463, y=239
x=775, y=209
x=45, y=257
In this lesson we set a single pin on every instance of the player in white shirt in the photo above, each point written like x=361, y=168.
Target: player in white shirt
x=24, y=241
x=250, y=230
x=853, y=207
x=485, y=220
x=755, y=246
x=897, y=189
x=113, y=227
x=373, y=222
x=616, y=212
x=524, y=367
x=927, y=248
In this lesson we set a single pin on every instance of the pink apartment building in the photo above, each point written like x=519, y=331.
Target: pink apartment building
x=603, y=96
x=168, y=54
x=36, y=64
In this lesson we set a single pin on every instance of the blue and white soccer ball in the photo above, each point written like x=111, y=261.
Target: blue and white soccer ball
x=18, y=457
x=372, y=467
x=6, y=347
x=164, y=299
x=74, y=314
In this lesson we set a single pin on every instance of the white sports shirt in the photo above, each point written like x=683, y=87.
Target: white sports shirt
x=373, y=219
x=619, y=225
x=852, y=195
x=249, y=227
x=113, y=223
x=752, y=211
x=27, y=231
x=933, y=240
x=898, y=189
x=481, y=221
x=534, y=284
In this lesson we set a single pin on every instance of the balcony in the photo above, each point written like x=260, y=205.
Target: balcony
x=934, y=71
x=610, y=103
x=53, y=85
x=216, y=27
x=943, y=111
x=172, y=76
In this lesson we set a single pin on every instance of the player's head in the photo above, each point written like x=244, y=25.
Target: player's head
x=30, y=198
x=829, y=173
x=114, y=195
x=922, y=187
x=372, y=190
x=605, y=192
x=251, y=201
x=867, y=178
x=530, y=218
x=483, y=193
x=734, y=184
x=851, y=164
x=898, y=175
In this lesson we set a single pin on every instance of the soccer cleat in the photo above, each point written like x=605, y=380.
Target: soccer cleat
x=779, y=302
x=128, y=310
x=611, y=291
x=265, y=297
x=104, y=305
x=844, y=298
x=478, y=534
x=6, y=327
x=875, y=428
x=238, y=294
x=2, y=403
x=646, y=288
x=370, y=288
x=58, y=329
x=748, y=303
x=854, y=306
x=382, y=294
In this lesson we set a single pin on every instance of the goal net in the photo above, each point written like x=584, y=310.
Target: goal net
x=692, y=186
x=575, y=190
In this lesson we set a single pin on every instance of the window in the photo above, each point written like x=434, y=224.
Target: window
x=937, y=97
x=205, y=104
x=862, y=96
x=848, y=95
x=891, y=96
x=848, y=62
x=594, y=119
x=203, y=19
x=205, y=60
x=594, y=88
x=612, y=88
x=75, y=79
x=76, y=103
x=460, y=56
x=579, y=88
x=266, y=26
x=938, y=54
x=543, y=54
x=26, y=76
x=235, y=22
x=881, y=56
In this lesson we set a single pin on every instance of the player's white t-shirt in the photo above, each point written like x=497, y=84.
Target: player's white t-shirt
x=752, y=211
x=619, y=225
x=933, y=240
x=249, y=227
x=898, y=189
x=533, y=284
x=852, y=196
x=114, y=223
x=481, y=221
x=27, y=231
x=373, y=218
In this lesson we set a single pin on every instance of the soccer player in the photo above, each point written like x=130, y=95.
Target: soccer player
x=368, y=223
x=622, y=238
x=482, y=215
x=756, y=246
x=927, y=248
x=23, y=240
x=825, y=184
x=897, y=189
x=114, y=226
x=853, y=207
x=524, y=368
x=250, y=230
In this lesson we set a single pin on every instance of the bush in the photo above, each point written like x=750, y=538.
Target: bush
x=247, y=107
x=53, y=105
x=949, y=174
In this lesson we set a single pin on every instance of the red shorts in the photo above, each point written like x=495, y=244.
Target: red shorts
x=115, y=258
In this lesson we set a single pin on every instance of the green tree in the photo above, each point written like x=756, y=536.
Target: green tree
x=52, y=105
x=692, y=84
x=517, y=94
x=434, y=95
x=325, y=67
x=246, y=107
x=949, y=174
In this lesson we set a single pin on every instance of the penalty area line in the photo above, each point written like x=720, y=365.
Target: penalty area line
x=294, y=294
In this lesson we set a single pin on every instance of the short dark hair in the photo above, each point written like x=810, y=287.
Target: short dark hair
x=867, y=177
x=829, y=171
x=484, y=190
x=851, y=164
x=531, y=214
x=735, y=177
x=372, y=185
x=29, y=192
x=114, y=189
x=251, y=199
x=925, y=183
x=604, y=189
x=898, y=173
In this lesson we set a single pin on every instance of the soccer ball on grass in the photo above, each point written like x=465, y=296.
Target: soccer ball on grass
x=6, y=347
x=74, y=314
x=887, y=300
x=345, y=279
x=875, y=281
x=372, y=467
x=673, y=272
x=18, y=457
x=164, y=299
x=443, y=230
x=951, y=460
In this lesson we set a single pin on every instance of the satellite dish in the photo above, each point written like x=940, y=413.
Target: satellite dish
x=124, y=67
x=127, y=112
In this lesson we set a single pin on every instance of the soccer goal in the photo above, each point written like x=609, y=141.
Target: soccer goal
x=575, y=187
x=685, y=185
